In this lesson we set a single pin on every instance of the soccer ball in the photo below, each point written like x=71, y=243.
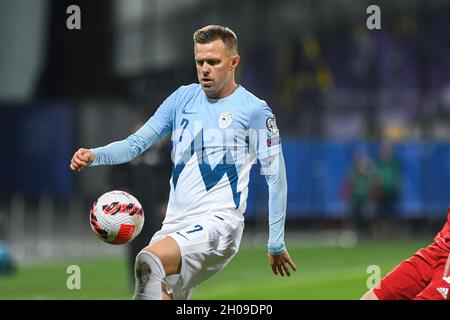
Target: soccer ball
x=116, y=217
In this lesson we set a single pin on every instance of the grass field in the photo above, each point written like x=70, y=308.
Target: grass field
x=325, y=273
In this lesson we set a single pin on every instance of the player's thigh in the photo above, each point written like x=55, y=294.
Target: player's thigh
x=406, y=280
x=206, y=246
x=168, y=252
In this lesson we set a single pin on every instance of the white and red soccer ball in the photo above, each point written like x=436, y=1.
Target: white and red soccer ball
x=116, y=217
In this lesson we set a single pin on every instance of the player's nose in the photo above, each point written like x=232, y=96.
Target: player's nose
x=205, y=68
x=206, y=71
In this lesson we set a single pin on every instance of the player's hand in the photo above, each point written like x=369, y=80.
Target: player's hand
x=280, y=263
x=81, y=159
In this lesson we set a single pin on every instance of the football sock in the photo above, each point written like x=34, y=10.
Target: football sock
x=149, y=274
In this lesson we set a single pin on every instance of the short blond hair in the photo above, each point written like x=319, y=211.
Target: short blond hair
x=213, y=32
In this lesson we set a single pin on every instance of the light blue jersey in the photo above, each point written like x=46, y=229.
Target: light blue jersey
x=215, y=143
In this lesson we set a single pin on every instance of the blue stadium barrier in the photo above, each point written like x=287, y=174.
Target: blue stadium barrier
x=317, y=170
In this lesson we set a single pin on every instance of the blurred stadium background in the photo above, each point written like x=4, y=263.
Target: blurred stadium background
x=340, y=92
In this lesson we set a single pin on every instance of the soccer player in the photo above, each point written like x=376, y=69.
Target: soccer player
x=218, y=130
x=424, y=276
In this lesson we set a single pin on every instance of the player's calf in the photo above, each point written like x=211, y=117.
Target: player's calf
x=149, y=275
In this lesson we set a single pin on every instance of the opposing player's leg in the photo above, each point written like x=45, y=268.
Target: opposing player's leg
x=406, y=280
x=439, y=287
x=153, y=264
x=369, y=295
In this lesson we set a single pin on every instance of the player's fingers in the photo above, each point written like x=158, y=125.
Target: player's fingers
x=274, y=269
x=292, y=264
x=82, y=150
x=79, y=154
x=73, y=165
x=79, y=162
x=85, y=155
x=280, y=269
x=75, y=168
x=286, y=270
x=77, y=165
x=83, y=158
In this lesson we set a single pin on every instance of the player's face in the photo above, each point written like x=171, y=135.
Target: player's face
x=215, y=68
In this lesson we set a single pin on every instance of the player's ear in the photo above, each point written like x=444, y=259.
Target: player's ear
x=234, y=62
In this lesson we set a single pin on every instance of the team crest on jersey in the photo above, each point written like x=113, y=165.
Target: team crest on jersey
x=225, y=120
x=272, y=125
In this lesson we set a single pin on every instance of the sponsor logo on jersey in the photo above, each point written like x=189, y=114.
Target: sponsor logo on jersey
x=225, y=120
x=443, y=292
x=273, y=141
x=272, y=125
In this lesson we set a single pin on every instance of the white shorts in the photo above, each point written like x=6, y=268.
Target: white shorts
x=207, y=245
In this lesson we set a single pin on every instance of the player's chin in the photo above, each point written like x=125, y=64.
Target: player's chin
x=210, y=91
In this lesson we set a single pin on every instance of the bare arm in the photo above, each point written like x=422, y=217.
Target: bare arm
x=447, y=269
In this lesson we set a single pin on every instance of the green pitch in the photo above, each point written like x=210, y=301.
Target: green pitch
x=324, y=273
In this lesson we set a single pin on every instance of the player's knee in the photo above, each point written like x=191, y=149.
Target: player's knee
x=168, y=252
x=149, y=274
x=148, y=265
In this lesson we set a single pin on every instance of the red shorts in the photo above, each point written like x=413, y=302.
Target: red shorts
x=419, y=277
